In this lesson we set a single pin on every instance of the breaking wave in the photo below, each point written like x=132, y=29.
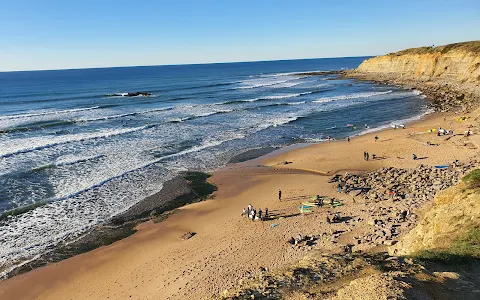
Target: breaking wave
x=351, y=96
x=55, y=112
x=32, y=144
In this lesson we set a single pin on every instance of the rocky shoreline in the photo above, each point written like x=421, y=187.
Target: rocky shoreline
x=443, y=96
x=448, y=75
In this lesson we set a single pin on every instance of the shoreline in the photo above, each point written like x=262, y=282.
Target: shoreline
x=123, y=225
x=175, y=194
x=237, y=182
x=254, y=163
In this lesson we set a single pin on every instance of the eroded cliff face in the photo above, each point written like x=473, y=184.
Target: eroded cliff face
x=449, y=75
x=455, y=211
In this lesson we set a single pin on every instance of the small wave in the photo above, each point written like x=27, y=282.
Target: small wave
x=69, y=162
x=66, y=162
x=260, y=85
x=351, y=96
x=402, y=121
x=287, y=84
x=290, y=73
x=279, y=122
x=282, y=96
x=125, y=115
x=183, y=119
x=274, y=97
x=55, y=112
x=131, y=95
x=36, y=126
x=39, y=144
x=296, y=103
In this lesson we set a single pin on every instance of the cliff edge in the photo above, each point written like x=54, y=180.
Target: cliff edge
x=448, y=75
x=451, y=228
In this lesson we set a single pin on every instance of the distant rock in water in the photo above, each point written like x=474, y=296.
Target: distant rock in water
x=134, y=94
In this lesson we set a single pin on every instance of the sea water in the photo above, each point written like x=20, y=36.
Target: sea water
x=75, y=150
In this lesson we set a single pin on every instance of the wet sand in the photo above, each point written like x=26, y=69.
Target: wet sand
x=156, y=263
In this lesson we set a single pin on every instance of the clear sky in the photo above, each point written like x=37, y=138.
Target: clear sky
x=58, y=34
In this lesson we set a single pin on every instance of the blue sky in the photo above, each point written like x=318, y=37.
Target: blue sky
x=43, y=34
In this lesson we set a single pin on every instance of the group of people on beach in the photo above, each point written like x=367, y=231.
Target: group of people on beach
x=255, y=214
x=442, y=131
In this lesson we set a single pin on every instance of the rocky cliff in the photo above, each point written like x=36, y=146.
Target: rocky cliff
x=449, y=226
x=448, y=75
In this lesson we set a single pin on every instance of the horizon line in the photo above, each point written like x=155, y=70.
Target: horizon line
x=180, y=64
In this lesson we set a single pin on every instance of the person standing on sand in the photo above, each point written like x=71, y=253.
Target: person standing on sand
x=260, y=214
x=368, y=156
x=266, y=213
x=280, y=195
x=348, y=139
x=376, y=138
x=254, y=214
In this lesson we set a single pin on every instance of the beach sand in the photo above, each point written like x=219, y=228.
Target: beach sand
x=156, y=263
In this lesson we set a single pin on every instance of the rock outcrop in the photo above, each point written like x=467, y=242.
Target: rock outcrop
x=448, y=75
x=456, y=210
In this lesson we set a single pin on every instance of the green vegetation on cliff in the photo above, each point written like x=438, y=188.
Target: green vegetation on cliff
x=472, y=179
x=473, y=46
x=462, y=251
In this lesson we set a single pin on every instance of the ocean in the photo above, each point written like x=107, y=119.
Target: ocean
x=75, y=150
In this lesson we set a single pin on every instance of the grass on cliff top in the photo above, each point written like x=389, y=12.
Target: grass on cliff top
x=473, y=46
x=462, y=252
x=472, y=179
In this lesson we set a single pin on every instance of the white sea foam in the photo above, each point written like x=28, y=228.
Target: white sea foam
x=125, y=115
x=17, y=146
x=402, y=121
x=259, y=85
x=286, y=84
x=351, y=96
x=285, y=96
x=297, y=103
x=79, y=214
x=290, y=73
x=54, y=112
x=67, y=161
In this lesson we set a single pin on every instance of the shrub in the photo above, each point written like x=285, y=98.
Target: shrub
x=472, y=179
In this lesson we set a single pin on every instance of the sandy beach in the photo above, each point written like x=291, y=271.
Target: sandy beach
x=156, y=263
